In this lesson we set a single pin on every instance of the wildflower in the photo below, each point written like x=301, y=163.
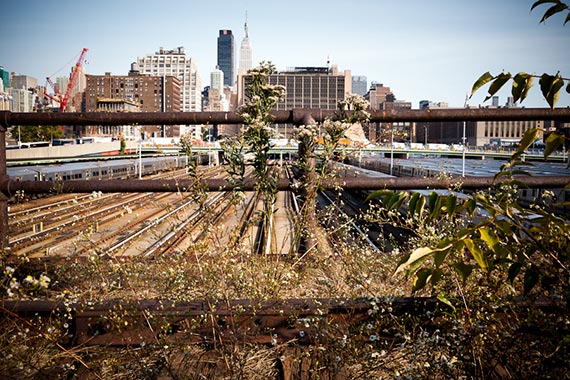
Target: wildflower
x=301, y=333
x=373, y=337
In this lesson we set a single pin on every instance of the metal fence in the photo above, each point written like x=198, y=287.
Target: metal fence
x=9, y=187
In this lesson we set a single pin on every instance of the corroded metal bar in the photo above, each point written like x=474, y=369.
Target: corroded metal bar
x=10, y=187
x=3, y=198
x=248, y=320
x=295, y=116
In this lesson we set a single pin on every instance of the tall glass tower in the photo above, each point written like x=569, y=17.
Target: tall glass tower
x=226, y=59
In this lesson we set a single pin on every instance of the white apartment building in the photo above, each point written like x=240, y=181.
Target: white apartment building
x=176, y=63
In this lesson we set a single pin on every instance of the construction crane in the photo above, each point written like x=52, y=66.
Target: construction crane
x=58, y=97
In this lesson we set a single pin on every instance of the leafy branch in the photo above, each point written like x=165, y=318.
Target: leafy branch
x=498, y=235
x=550, y=85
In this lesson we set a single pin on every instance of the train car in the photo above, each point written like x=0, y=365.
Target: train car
x=96, y=170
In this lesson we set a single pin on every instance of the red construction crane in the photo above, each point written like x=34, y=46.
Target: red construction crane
x=62, y=99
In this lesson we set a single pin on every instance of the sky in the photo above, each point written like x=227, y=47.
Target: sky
x=423, y=50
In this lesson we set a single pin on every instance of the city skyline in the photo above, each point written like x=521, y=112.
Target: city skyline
x=433, y=51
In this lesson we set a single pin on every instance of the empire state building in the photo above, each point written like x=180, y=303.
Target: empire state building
x=245, y=56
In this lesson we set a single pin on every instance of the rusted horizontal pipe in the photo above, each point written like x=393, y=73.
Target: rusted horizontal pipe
x=10, y=187
x=295, y=116
x=300, y=306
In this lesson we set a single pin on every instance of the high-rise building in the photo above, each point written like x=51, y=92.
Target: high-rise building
x=306, y=87
x=5, y=76
x=245, y=54
x=61, y=84
x=217, y=79
x=177, y=64
x=23, y=82
x=377, y=95
x=149, y=93
x=21, y=100
x=359, y=85
x=226, y=60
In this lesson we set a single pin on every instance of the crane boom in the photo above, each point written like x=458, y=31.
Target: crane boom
x=63, y=99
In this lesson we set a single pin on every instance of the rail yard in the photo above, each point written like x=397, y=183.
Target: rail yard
x=151, y=224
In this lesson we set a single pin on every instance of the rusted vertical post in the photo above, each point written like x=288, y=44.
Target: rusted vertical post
x=308, y=190
x=3, y=178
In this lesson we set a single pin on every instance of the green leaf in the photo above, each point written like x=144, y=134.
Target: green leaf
x=478, y=255
x=483, y=79
x=396, y=200
x=471, y=206
x=451, y=204
x=416, y=258
x=463, y=270
x=514, y=270
x=435, y=277
x=540, y=2
x=420, y=279
x=439, y=257
x=528, y=138
x=522, y=82
x=379, y=194
x=412, y=204
x=550, y=86
x=418, y=254
x=441, y=298
x=531, y=278
x=497, y=84
x=553, y=142
x=553, y=10
x=489, y=237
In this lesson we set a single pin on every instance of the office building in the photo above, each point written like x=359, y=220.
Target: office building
x=377, y=95
x=226, y=56
x=20, y=100
x=305, y=87
x=175, y=63
x=217, y=79
x=359, y=85
x=23, y=82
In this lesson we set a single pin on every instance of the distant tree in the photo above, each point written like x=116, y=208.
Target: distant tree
x=550, y=85
x=36, y=133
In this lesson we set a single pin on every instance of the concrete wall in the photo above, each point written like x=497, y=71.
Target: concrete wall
x=68, y=150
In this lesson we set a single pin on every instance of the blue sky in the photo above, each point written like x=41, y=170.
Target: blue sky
x=421, y=49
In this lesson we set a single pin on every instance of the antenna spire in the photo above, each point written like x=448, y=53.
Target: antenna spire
x=245, y=25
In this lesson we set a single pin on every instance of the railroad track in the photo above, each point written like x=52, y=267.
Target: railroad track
x=151, y=224
x=68, y=220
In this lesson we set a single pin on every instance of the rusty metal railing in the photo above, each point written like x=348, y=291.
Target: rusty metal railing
x=9, y=187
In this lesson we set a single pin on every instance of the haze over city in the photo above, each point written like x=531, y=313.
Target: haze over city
x=422, y=50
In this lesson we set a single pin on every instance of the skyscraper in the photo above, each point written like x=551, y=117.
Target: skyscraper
x=226, y=56
x=175, y=63
x=217, y=79
x=245, y=54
